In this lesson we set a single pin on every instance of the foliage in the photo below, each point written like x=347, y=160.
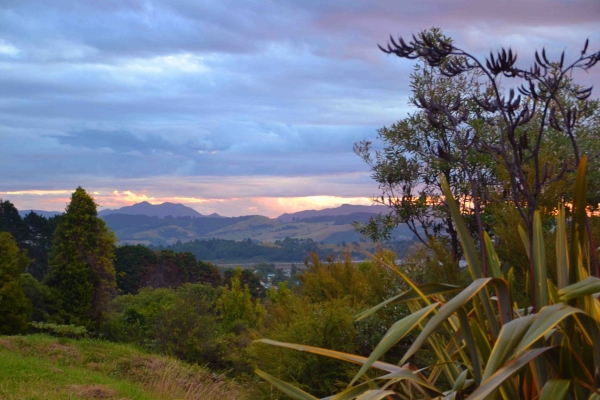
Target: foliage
x=138, y=266
x=279, y=294
x=41, y=298
x=40, y=231
x=132, y=266
x=182, y=322
x=500, y=151
x=69, y=331
x=367, y=284
x=237, y=310
x=263, y=270
x=220, y=249
x=32, y=233
x=15, y=308
x=247, y=279
x=327, y=324
x=318, y=312
x=415, y=152
x=10, y=221
x=82, y=275
x=485, y=346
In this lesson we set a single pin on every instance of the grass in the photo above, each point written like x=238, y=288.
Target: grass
x=42, y=367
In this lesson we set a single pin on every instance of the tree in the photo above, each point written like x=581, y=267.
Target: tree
x=208, y=274
x=32, y=233
x=248, y=279
x=138, y=266
x=416, y=151
x=38, y=240
x=133, y=266
x=11, y=221
x=82, y=274
x=237, y=309
x=520, y=150
x=15, y=308
x=41, y=298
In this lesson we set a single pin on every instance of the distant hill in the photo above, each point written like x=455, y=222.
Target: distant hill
x=156, y=210
x=143, y=229
x=169, y=223
x=45, y=214
x=344, y=209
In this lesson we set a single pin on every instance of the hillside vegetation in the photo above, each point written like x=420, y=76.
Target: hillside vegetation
x=42, y=367
x=147, y=230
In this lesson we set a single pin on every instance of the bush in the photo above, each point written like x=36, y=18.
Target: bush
x=237, y=310
x=324, y=324
x=183, y=322
x=67, y=331
x=320, y=313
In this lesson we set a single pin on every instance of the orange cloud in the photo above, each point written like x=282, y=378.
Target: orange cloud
x=127, y=198
x=269, y=206
x=36, y=192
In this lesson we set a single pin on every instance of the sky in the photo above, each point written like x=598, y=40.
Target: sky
x=234, y=107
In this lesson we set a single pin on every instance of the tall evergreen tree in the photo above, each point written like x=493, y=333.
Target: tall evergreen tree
x=134, y=265
x=40, y=231
x=82, y=273
x=11, y=221
x=15, y=308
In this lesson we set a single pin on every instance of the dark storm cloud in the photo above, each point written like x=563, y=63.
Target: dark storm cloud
x=111, y=91
x=123, y=142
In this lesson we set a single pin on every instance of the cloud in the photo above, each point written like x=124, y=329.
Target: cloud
x=35, y=192
x=222, y=99
x=267, y=206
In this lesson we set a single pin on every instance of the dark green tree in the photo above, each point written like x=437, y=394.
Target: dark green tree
x=133, y=265
x=11, y=221
x=82, y=274
x=38, y=240
x=138, y=266
x=165, y=273
x=41, y=298
x=15, y=308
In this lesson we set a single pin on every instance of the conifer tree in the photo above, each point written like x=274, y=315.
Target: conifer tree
x=15, y=308
x=11, y=221
x=81, y=261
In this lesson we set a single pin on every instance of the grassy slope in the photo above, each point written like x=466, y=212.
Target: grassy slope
x=41, y=367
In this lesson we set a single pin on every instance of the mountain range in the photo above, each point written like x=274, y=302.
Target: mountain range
x=344, y=209
x=168, y=223
x=157, y=210
x=45, y=214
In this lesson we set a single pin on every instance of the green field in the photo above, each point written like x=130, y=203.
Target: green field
x=42, y=367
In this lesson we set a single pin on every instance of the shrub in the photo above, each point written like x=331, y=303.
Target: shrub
x=325, y=324
x=236, y=308
x=182, y=322
x=68, y=331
